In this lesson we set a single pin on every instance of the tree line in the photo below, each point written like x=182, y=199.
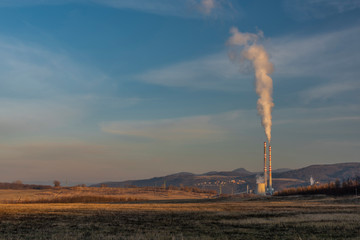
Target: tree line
x=19, y=185
x=349, y=186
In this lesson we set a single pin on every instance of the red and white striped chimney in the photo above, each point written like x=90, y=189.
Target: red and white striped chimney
x=265, y=168
x=270, y=177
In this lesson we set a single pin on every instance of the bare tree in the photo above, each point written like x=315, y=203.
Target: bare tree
x=56, y=183
x=18, y=182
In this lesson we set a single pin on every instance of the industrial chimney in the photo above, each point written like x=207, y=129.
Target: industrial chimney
x=265, y=168
x=270, y=177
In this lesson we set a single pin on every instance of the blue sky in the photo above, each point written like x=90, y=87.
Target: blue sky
x=96, y=90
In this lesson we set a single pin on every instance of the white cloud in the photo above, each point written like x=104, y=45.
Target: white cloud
x=207, y=6
x=328, y=55
x=314, y=116
x=229, y=131
x=179, y=8
x=182, y=142
x=324, y=92
x=43, y=90
x=214, y=72
x=198, y=128
x=332, y=57
x=55, y=117
x=31, y=71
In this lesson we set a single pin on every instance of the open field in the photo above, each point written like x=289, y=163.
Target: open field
x=113, y=194
x=229, y=218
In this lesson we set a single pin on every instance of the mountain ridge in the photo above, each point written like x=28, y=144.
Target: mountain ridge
x=238, y=180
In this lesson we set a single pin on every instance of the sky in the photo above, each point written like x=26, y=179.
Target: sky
x=111, y=90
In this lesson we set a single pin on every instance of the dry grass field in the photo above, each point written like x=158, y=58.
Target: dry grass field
x=226, y=218
x=106, y=194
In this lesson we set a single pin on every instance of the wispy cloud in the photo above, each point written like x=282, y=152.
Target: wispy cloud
x=329, y=59
x=207, y=6
x=214, y=72
x=53, y=151
x=335, y=144
x=170, y=142
x=198, y=128
x=36, y=85
x=43, y=90
x=32, y=71
x=322, y=57
x=23, y=117
x=324, y=92
x=179, y=8
x=326, y=55
x=239, y=126
x=308, y=9
x=320, y=115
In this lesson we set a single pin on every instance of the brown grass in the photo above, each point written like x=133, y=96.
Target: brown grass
x=231, y=218
x=347, y=187
x=87, y=194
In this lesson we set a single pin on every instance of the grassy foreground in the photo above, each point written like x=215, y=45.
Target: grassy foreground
x=274, y=218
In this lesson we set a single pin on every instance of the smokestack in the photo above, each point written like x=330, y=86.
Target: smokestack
x=265, y=168
x=270, y=177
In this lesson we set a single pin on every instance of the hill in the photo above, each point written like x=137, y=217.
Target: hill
x=240, y=179
x=209, y=180
x=323, y=173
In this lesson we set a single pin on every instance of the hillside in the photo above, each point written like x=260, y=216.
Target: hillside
x=323, y=173
x=238, y=179
x=209, y=180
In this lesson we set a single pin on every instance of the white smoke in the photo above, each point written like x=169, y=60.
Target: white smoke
x=260, y=179
x=262, y=67
x=312, y=181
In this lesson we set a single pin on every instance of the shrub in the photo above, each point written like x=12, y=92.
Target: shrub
x=347, y=187
x=56, y=183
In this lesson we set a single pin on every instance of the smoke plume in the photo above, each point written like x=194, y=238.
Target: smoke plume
x=312, y=181
x=259, y=179
x=259, y=58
